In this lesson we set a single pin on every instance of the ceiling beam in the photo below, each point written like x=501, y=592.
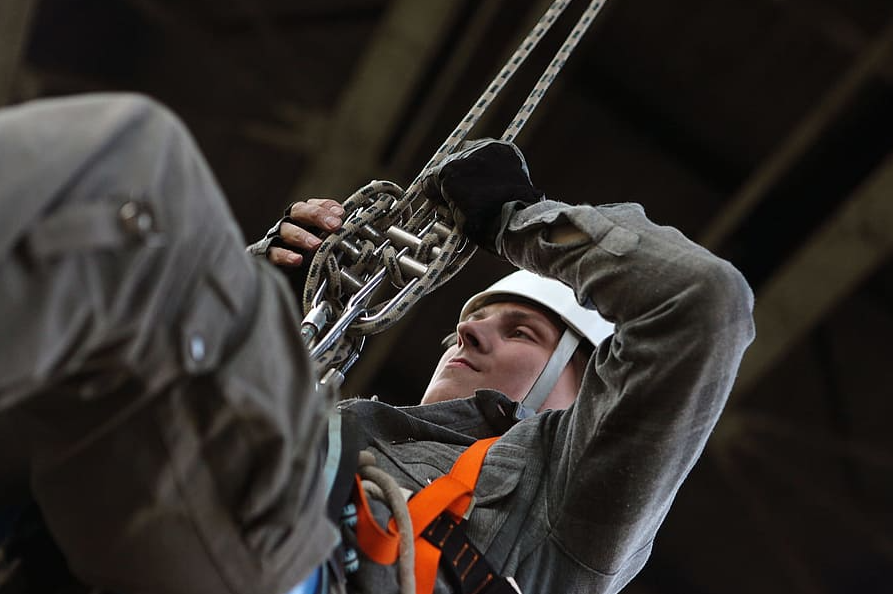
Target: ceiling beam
x=15, y=25
x=411, y=150
x=873, y=60
x=834, y=27
x=828, y=21
x=830, y=266
x=370, y=107
x=207, y=55
x=474, y=41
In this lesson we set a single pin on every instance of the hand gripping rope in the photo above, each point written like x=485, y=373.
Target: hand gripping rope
x=402, y=235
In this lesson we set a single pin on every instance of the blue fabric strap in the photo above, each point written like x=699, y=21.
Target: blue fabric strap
x=333, y=457
x=311, y=585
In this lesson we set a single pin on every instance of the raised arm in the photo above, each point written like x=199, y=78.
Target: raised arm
x=654, y=390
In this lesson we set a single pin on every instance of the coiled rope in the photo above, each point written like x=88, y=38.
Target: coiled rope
x=379, y=485
x=436, y=250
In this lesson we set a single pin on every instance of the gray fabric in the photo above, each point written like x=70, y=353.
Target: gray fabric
x=570, y=501
x=168, y=451
x=262, y=246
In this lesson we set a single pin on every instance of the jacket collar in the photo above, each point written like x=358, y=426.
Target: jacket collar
x=486, y=414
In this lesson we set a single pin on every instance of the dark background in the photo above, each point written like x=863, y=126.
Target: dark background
x=761, y=128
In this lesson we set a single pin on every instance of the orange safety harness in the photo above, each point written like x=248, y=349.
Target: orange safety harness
x=437, y=513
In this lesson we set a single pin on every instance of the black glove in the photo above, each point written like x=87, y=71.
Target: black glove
x=477, y=182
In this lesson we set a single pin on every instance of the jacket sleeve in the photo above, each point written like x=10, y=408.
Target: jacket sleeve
x=653, y=391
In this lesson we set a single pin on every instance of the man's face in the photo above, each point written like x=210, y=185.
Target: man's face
x=502, y=346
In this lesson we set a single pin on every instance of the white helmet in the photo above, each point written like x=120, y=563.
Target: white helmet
x=558, y=298
x=553, y=295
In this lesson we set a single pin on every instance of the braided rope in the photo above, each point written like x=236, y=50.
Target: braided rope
x=552, y=70
x=380, y=485
x=381, y=204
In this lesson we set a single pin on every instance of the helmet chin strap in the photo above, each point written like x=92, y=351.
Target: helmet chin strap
x=548, y=377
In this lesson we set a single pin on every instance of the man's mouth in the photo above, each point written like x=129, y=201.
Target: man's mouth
x=461, y=362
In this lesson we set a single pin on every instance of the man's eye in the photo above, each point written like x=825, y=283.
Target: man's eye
x=521, y=333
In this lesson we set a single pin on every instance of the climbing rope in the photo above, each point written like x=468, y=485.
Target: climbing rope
x=379, y=485
x=402, y=236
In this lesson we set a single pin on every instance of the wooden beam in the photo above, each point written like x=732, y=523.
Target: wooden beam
x=875, y=58
x=394, y=62
x=208, y=55
x=474, y=41
x=830, y=266
x=15, y=26
x=411, y=150
x=834, y=27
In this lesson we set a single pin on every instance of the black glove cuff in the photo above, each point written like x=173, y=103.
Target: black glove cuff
x=502, y=223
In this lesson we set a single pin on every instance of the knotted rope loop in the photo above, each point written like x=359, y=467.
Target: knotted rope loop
x=379, y=485
x=383, y=214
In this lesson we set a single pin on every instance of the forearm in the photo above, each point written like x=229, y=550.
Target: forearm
x=654, y=391
x=610, y=254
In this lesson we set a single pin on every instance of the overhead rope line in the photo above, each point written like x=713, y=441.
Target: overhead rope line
x=402, y=235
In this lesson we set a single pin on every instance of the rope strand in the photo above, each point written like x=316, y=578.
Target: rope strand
x=381, y=205
x=379, y=484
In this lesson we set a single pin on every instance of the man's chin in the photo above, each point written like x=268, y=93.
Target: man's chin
x=444, y=391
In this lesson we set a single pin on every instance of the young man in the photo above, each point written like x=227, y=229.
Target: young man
x=166, y=414
x=569, y=500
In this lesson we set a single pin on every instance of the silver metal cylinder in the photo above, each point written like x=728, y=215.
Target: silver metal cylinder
x=315, y=321
x=351, y=283
x=441, y=230
x=351, y=249
x=402, y=238
x=411, y=267
x=371, y=233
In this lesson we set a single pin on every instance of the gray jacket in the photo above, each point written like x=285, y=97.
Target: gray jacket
x=570, y=501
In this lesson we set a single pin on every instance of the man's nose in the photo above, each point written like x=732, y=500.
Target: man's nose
x=474, y=334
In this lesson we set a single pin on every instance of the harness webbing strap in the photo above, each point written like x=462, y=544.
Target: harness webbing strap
x=467, y=569
x=548, y=377
x=452, y=493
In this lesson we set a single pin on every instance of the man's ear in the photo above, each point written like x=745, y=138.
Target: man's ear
x=581, y=357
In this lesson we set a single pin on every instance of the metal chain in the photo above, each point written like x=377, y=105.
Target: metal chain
x=403, y=236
